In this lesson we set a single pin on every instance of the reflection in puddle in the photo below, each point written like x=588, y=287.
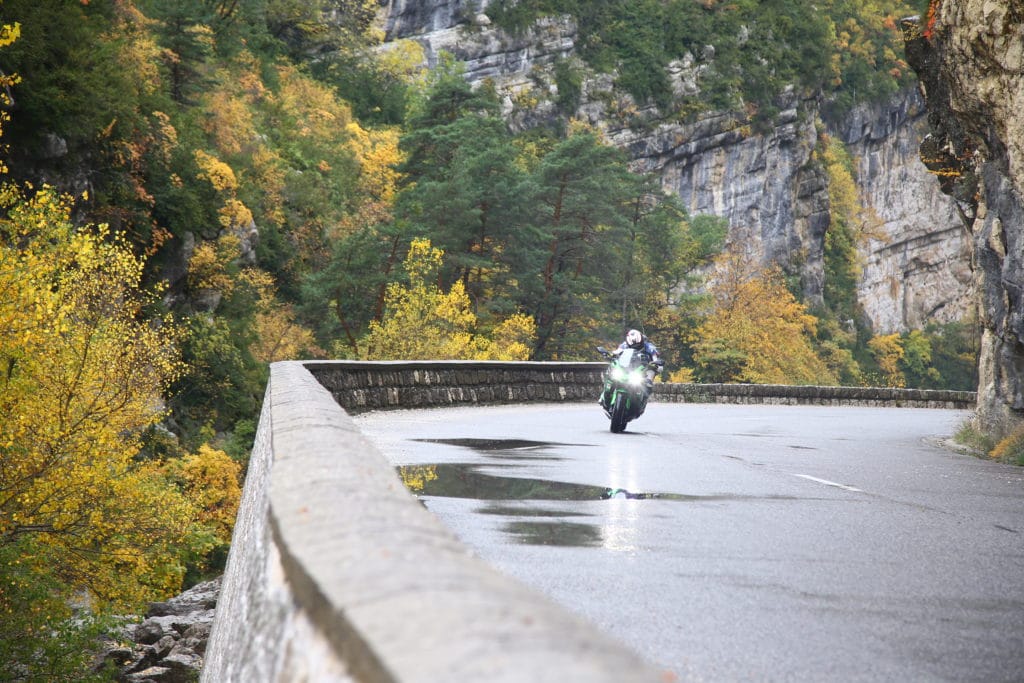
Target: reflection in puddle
x=572, y=534
x=507, y=449
x=548, y=526
x=464, y=480
x=496, y=444
x=513, y=511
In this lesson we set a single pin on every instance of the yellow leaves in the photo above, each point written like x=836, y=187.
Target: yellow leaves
x=682, y=375
x=423, y=322
x=208, y=267
x=887, y=350
x=416, y=477
x=210, y=479
x=404, y=60
x=758, y=331
x=278, y=335
x=234, y=214
x=229, y=123
x=512, y=339
x=377, y=153
x=313, y=107
x=422, y=262
x=80, y=376
x=220, y=175
x=9, y=33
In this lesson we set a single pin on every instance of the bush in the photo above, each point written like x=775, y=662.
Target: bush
x=1011, y=448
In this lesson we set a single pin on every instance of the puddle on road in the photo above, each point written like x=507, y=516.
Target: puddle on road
x=500, y=510
x=464, y=480
x=535, y=525
x=495, y=444
x=571, y=534
x=507, y=449
x=530, y=524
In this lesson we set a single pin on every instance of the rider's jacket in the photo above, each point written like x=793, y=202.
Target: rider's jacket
x=648, y=349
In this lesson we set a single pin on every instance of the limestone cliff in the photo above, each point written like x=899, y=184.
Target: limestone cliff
x=916, y=265
x=768, y=184
x=969, y=55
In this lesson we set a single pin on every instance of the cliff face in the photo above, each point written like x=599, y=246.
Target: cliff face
x=768, y=184
x=970, y=59
x=917, y=263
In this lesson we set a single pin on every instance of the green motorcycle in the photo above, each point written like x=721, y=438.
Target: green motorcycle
x=626, y=386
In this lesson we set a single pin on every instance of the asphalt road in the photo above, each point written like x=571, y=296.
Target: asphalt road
x=742, y=543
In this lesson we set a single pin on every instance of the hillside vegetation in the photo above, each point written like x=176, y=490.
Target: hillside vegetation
x=194, y=189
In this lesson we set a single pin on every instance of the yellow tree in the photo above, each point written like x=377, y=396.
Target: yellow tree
x=278, y=335
x=758, y=332
x=423, y=322
x=887, y=350
x=81, y=376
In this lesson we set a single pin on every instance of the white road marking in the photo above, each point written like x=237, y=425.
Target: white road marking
x=826, y=482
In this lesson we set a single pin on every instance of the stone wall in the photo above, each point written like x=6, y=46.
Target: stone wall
x=359, y=386
x=337, y=573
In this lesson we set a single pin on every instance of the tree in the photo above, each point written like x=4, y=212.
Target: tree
x=83, y=376
x=422, y=322
x=757, y=332
x=583, y=197
x=887, y=351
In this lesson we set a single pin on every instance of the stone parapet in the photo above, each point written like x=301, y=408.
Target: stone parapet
x=814, y=395
x=360, y=386
x=337, y=573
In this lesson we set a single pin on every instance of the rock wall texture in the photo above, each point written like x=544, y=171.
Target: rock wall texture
x=969, y=55
x=917, y=264
x=767, y=184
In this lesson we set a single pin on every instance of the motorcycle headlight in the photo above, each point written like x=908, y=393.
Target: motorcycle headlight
x=618, y=374
x=636, y=378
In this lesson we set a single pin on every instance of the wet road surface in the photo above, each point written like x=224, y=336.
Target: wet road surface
x=741, y=543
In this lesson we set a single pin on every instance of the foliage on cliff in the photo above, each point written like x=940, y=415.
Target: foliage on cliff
x=750, y=50
x=421, y=321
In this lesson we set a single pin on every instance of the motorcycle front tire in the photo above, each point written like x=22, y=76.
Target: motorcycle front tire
x=619, y=414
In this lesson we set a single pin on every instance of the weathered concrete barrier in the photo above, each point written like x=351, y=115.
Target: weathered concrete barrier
x=360, y=386
x=336, y=573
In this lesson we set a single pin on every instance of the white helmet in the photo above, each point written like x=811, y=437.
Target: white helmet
x=634, y=338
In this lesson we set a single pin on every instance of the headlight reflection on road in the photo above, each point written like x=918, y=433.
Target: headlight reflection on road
x=619, y=523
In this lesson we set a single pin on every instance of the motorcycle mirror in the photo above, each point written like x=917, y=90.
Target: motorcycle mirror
x=602, y=351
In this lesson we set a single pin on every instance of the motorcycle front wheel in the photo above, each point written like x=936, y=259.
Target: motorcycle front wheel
x=619, y=414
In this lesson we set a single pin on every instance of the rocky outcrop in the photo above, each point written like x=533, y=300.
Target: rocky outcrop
x=168, y=646
x=767, y=183
x=969, y=55
x=917, y=260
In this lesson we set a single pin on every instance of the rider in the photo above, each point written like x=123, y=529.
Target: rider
x=639, y=342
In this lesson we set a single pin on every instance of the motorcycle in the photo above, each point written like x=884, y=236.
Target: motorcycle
x=626, y=388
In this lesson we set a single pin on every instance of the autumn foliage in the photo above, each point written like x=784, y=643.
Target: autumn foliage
x=422, y=321
x=757, y=331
